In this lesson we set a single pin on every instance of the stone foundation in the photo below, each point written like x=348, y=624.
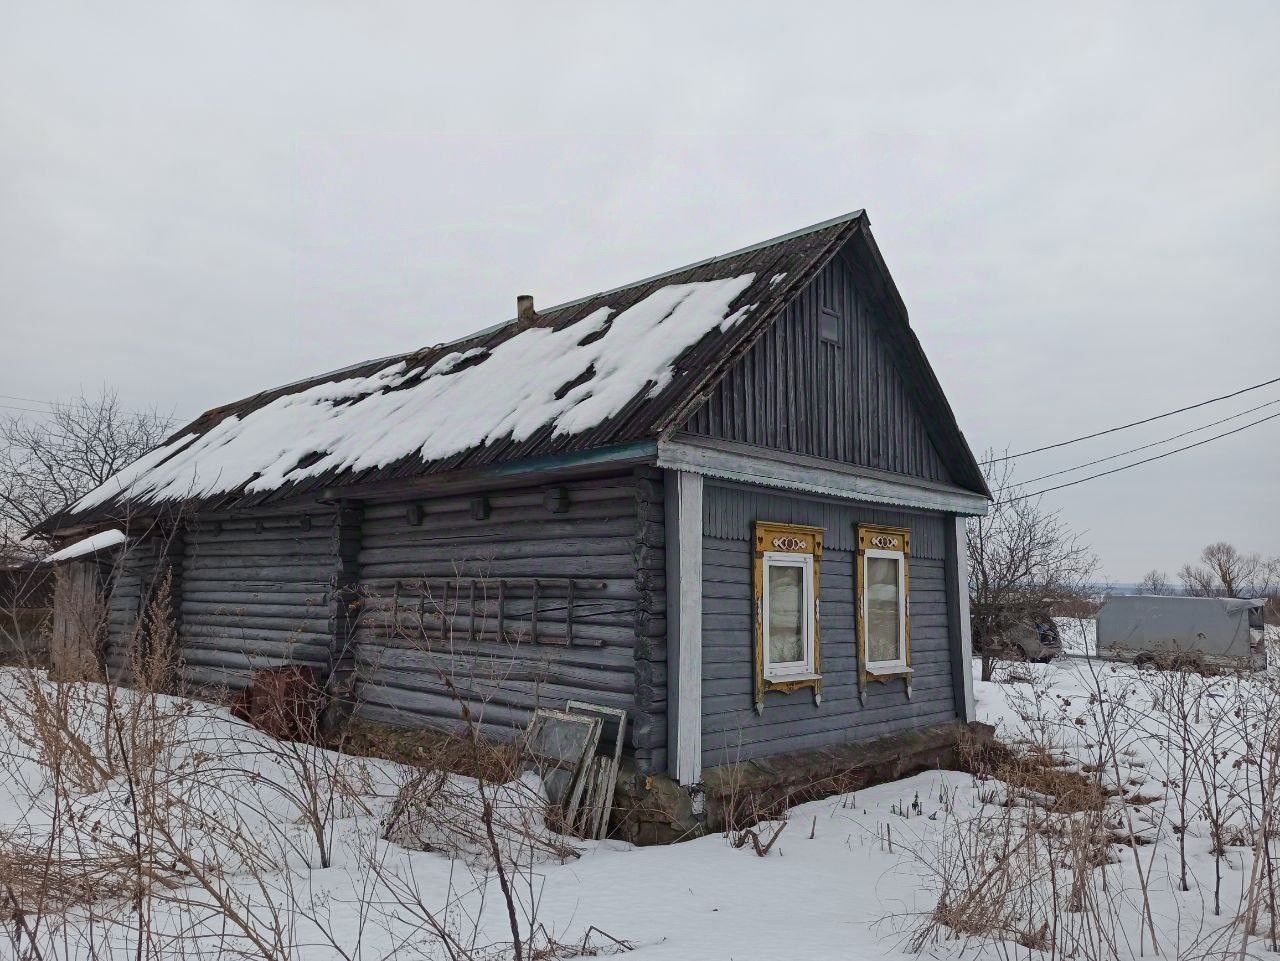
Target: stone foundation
x=653, y=809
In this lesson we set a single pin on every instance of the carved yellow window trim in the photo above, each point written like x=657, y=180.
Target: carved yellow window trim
x=877, y=540
x=773, y=539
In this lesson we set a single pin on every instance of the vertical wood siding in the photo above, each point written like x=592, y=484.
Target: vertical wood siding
x=404, y=673
x=793, y=391
x=731, y=728
x=254, y=595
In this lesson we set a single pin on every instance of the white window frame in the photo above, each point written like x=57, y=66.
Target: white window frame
x=791, y=670
x=899, y=664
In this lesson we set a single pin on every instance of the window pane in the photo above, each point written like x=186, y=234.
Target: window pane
x=882, y=609
x=786, y=614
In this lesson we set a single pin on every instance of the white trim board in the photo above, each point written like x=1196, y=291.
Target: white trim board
x=962, y=629
x=795, y=472
x=683, y=509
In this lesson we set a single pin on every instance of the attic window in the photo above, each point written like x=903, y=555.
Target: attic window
x=829, y=326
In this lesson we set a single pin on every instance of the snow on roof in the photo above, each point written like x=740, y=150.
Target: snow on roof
x=606, y=371
x=90, y=545
x=570, y=379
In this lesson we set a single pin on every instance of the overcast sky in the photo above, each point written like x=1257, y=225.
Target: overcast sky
x=1080, y=204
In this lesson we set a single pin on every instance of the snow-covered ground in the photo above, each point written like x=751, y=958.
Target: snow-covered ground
x=840, y=883
x=1078, y=635
x=851, y=877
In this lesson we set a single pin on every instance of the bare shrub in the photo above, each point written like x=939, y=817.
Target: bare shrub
x=158, y=827
x=1108, y=803
x=1023, y=560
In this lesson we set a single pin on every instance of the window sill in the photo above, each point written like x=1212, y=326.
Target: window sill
x=889, y=670
x=788, y=678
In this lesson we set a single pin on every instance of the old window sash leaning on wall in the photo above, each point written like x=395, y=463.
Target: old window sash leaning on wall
x=786, y=577
x=883, y=592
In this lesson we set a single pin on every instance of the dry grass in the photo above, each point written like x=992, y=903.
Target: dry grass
x=1034, y=773
x=434, y=750
x=35, y=879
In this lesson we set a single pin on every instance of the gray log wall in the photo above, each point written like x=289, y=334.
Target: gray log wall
x=132, y=582
x=731, y=728
x=844, y=401
x=258, y=591
x=255, y=594
x=430, y=576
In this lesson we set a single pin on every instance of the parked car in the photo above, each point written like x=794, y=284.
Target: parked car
x=1035, y=639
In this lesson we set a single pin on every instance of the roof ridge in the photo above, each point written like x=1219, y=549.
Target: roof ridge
x=440, y=348
x=790, y=235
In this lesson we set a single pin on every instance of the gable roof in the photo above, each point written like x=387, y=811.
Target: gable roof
x=620, y=366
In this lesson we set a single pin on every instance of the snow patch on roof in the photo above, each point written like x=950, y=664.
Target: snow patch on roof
x=572, y=379
x=90, y=545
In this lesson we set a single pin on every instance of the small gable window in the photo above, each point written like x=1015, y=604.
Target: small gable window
x=883, y=620
x=787, y=558
x=829, y=326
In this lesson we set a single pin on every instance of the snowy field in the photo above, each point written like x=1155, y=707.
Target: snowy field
x=1078, y=635
x=234, y=833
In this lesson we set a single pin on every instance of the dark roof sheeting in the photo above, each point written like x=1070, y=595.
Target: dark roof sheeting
x=778, y=270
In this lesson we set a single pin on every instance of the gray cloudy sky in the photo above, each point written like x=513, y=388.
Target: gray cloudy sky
x=1080, y=203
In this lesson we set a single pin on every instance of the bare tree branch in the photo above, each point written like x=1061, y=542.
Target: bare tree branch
x=1223, y=571
x=1022, y=559
x=47, y=463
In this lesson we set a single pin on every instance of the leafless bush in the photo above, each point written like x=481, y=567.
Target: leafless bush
x=158, y=828
x=1023, y=560
x=496, y=825
x=1107, y=805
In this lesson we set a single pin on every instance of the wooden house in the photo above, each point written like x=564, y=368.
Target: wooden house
x=729, y=499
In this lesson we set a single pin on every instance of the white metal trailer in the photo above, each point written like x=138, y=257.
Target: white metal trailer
x=1227, y=631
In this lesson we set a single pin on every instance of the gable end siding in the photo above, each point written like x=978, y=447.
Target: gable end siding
x=797, y=391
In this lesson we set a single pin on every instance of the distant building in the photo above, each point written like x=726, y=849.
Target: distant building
x=26, y=601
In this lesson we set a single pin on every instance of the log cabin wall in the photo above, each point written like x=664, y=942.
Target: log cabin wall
x=518, y=599
x=132, y=581
x=822, y=381
x=731, y=728
x=255, y=594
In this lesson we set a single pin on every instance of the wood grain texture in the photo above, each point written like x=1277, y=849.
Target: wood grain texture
x=255, y=594
x=131, y=585
x=415, y=637
x=684, y=625
x=732, y=730
x=845, y=402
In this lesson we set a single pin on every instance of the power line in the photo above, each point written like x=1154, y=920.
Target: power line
x=1125, y=453
x=1148, y=460
x=31, y=400
x=51, y=406
x=1146, y=420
